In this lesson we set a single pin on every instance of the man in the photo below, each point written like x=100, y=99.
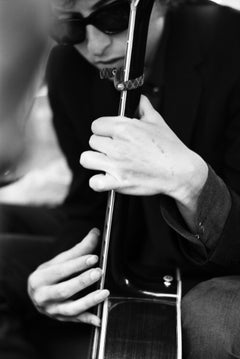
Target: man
x=185, y=71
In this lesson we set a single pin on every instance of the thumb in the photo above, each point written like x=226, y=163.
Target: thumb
x=146, y=111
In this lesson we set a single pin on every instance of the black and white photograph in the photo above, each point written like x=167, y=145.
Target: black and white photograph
x=119, y=179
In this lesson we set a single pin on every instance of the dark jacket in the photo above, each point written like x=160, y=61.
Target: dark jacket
x=200, y=101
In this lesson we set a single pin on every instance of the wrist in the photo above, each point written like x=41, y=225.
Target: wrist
x=193, y=181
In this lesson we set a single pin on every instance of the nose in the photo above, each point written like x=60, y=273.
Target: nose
x=97, y=41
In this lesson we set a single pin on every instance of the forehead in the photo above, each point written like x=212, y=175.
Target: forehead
x=85, y=7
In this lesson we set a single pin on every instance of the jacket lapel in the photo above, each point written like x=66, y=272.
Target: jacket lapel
x=183, y=83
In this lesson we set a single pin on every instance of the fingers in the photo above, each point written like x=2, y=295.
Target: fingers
x=101, y=144
x=104, y=126
x=74, y=311
x=75, y=260
x=86, y=317
x=104, y=182
x=64, y=290
x=58, y=272
x=51, y=292
x=112, y=127
x=86, y=246
x=75, y=308
x=95, y=161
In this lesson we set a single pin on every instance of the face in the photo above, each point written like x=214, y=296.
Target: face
x=104, y=50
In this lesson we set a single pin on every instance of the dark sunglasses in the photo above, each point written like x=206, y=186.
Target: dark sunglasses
x=110, y=19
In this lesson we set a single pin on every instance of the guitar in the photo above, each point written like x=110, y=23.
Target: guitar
x=143, y=324
x=138, y=320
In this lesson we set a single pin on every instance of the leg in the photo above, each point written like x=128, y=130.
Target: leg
x=21, y=251
x=17, y=219
x=211, y=320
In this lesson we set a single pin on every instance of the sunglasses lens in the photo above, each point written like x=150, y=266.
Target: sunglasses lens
x=113, y=19
x=68, y=32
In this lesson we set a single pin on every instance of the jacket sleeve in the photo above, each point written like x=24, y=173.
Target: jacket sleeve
x=218, y=215
x=214, y=205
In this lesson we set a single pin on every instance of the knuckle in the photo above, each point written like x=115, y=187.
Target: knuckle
x=116, y=168
x=83, y=282
x=121, y=129
x=58, y=271
x=51, y=310
x=92, y=240
x=77, y=264
x=85, y=318
x=85, y=157
x=32, y=282
x=118, y=152
x=92, y=140
x=82, y=158
x=40, y=298
x=94, y=125
x=124, y=180
x=94, y=300
x=67, y=311
x=88, y=246
x=97, y=183
x=61, y=292
x=121, y=174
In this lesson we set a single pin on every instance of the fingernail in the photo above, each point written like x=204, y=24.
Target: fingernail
x=91, y=260
x=96, y=274
x=103, y=294
x=96, y=231
x=96, y=322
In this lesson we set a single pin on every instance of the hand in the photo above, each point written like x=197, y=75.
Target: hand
x=50, y=289
x=143, y=157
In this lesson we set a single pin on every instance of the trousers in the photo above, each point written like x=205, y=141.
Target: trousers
x=210, y=310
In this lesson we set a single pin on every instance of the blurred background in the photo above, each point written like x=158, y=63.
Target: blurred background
x=42, y=175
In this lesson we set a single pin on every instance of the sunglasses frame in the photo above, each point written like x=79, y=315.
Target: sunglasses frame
x=89, y=20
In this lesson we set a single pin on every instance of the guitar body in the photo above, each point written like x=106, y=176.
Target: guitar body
x=140, y=329
x=147, y=325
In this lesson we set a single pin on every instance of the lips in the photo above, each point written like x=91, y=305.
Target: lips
x=109, y=63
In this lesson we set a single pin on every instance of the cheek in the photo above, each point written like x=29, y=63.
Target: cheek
x=120, y=42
